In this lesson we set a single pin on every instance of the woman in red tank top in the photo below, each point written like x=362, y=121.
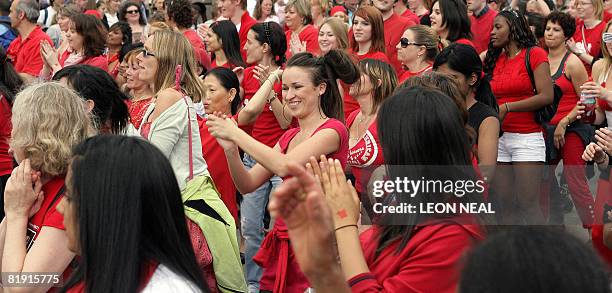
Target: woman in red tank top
x=310, y=95
x=569, y=74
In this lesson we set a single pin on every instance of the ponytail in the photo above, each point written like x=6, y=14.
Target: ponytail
x=334, y=65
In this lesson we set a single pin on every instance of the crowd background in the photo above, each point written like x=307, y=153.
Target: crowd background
x=184, y=146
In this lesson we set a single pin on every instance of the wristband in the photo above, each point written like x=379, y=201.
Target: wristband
x=350, y=225
x=507, y=108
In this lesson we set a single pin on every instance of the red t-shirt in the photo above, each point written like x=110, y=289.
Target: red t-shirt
x=99, y=61
x=592, y=44
x=198, y=47
x=465, y=42
x=246, y=22
x=481, y=27
x=511, y=83
x=265, y=128
x=218, y=168
x=310, y=35
x=227, y=65
x=408, y=14
x=26, y=55
x=6, y=160
x=48, y=215
x=394, y=29
x=430, y=262
x=275, y=255
x=366, y=155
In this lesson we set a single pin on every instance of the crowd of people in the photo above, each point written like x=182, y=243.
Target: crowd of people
x=148, y=147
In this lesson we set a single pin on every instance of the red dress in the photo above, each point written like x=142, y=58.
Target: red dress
x=281, y=270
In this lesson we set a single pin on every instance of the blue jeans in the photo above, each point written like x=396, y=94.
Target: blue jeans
x=252, y=210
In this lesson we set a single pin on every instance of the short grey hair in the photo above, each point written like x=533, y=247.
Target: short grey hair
x=30, y=8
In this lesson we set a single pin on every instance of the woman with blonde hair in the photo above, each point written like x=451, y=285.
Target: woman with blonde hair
x=417, y=50
x=301, y=35
x=586, y=43
x=602, y=80
x=48, y=120
x=318, y=10
x=170, y=123
x=333, y=35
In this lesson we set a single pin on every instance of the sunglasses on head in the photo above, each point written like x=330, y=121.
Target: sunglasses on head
x=404, y=42
x=607, y=37
x=132, y=11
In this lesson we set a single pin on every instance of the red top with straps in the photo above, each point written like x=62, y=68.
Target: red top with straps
x=570, y=97
x=281, y=270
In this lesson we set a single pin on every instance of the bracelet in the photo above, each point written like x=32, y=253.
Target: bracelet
x=569, y=121
x=270, y=100
x=350, y=225
x=604, y=159
x=507, y=108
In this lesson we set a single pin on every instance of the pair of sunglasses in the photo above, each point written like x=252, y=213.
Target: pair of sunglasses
x=404, y=42
x=607, y=37
x=148, y=53
x=132, y=12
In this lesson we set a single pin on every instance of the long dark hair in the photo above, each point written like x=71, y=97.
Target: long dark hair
x=126, y=32
x=464, y=59
x=230, y=43
x=95, y=84
x=272, y=33
x=121, y=15
x=10, y=82
x=420, y=130
x=128, y=211
x=455, y=17
x=228, y=80
x=520, y=33
x=327, y=69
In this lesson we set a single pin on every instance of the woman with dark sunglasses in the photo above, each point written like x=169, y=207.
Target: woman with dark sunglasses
x=130, y=12
x=417, y=50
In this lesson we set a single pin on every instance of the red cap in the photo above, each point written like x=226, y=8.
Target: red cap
x=337, y=9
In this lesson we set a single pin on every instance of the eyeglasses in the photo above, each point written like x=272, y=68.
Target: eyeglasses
x=147, y=53
x=132, y=11
x=404, y=42
x=584, y=3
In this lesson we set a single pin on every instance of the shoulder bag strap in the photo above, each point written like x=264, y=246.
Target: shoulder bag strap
x=529, y=71
x=177, y=86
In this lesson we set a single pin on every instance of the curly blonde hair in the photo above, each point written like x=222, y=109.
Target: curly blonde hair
x=48, y=120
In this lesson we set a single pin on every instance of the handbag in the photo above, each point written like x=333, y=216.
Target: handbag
x=547, y=112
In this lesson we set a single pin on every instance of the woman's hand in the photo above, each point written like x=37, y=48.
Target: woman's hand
x=49, y=55
x=574, y=48
x=593, y=89
x=296, y=45
x=503, y=111
x=559, y=138
x=300, y=202
x=239, y=73
x=262, y=73
x=603, y=136
x=23, y=193
x=594, y=153
x=339, y=192
x=223, y=129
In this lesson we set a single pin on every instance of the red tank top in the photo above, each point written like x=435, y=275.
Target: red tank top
x=570, y=97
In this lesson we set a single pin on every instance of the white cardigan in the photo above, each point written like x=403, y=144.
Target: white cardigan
x=169, y=133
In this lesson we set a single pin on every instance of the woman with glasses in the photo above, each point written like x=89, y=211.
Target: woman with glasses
x=586, y=43
x=417, y=50
x=130, y=13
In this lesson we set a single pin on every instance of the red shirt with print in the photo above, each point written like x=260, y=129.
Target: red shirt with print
x=511, y=83
x=394, y=29
x=365, y=155
x=266, y=128
x=48, y=216
x=26, y=53
x=589, y=39
x=6, y=160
